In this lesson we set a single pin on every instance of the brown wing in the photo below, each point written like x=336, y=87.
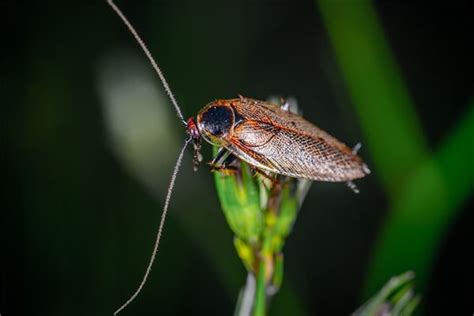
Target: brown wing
x=276, y=140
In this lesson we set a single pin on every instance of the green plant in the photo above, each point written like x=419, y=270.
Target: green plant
x=425, y=187
x=260, y=211
x=397, y=297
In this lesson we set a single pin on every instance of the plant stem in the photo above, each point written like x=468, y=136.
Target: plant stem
x=260, y=295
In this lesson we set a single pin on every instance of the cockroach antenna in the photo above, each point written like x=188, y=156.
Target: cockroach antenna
x=150, y=58
x=160, y=229
x=178, y=161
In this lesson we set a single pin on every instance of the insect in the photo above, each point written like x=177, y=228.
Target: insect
x=270, y=138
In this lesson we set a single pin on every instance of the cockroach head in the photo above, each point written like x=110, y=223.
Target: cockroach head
x=195, y=135
x=193, y=130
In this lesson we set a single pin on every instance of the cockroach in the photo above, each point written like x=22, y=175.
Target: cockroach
x=272, y=139
x=269, y=138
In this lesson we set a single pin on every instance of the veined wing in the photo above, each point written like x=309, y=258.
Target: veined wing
x=278, y=141
x=255, y=110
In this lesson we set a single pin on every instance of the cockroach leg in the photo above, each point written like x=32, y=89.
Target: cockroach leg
x=285, y=105
x=222, y=162
x=365, y=169
x=356, y=148
x=223, y=159
x=274, y=180
x=289, y=105
x=353, y=186
x=229, y=160
x=225, y=170
x=354, y=152
x=222, y=154
x=275, y=192
x=257, y=171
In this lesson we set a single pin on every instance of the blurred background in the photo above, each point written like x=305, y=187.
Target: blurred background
x=89, y=141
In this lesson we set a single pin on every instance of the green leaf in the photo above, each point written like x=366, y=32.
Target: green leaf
x=395, y=298
x=239, y=195
x=384, y=106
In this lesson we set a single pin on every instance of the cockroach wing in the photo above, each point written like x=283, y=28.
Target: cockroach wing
x=278, y=141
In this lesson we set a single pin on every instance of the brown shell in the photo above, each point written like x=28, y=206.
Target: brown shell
x=270, y=138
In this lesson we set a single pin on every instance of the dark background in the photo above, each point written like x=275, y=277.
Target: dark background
x=82, y=198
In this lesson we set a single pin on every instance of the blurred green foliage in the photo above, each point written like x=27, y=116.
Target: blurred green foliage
x=396, y=298
x=425, y=191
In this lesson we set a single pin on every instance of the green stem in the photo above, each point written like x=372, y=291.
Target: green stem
x=260, y=295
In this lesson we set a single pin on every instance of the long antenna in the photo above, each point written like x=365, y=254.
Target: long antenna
x=150, y=58
x=160, y=228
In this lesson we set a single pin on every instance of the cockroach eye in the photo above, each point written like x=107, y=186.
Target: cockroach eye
x=217, y=120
